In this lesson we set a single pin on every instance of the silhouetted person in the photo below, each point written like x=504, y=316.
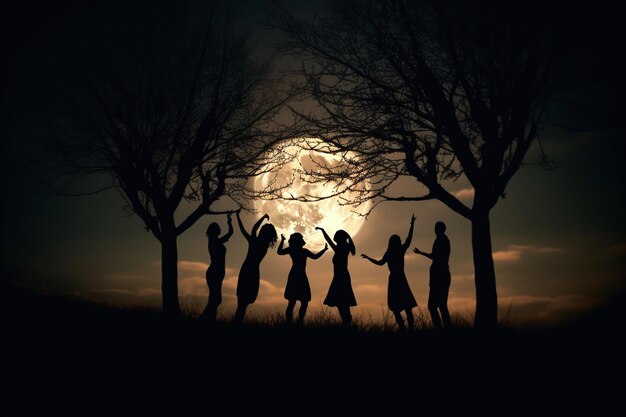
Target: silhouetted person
x=399, y=295
x=216, y=271
x=249, y=275
x=439, y=277
x=298, y=288
x=340, y=293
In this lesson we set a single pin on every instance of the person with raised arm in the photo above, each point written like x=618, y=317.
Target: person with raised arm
x=439, y=278
x=340, y=293
x=399, y=295
x=298, y=288
x=249, y=275
x=217, y=270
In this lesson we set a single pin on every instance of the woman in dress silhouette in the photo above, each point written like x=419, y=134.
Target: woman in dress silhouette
x=216, y=271
x=340, y=293
x=249, y=275
x=298, y=288
x=399, y=295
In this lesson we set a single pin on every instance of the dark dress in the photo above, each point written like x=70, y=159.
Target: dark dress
x=249, y=275
x=399, y=295
x=217, y=270
x=298, y=287
x=439, y=273
x=340, y=293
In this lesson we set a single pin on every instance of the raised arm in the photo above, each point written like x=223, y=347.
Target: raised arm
x=244, y=232
x=318, y=254
x=228, y=234
x=256, y=226
x=374, y=261
x=407, y=242
x=280, y=250
x=328, y=239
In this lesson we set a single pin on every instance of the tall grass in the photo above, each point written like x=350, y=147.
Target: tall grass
x=328, y=318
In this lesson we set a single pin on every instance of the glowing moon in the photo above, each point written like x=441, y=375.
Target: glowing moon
x=303, y=217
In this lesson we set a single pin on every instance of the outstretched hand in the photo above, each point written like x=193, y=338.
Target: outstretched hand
x=412, y=218
x=282, y=237
x=364, y=256
x=417, y=251
x=326, y=246
x=266, y=216
x=318, y=228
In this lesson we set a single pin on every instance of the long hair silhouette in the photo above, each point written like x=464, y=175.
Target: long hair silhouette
x=268, y=235
x=249, y=275
x=340, y=293
x=399, y=295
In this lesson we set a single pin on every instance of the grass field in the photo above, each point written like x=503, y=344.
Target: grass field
x=65, y=349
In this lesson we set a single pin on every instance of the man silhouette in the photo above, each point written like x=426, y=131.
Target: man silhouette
x=439, y=277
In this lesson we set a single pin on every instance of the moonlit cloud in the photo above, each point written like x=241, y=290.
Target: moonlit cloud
x=192, y=286
x=192, y=266
x=515, y=252
x=465, y=194
x=462, y=277
x=541, y=310
x=507, y=255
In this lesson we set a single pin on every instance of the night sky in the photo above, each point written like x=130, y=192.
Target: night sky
x=559, y=236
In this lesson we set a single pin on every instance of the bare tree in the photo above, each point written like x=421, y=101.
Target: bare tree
x=172, y=110
x=432, y=90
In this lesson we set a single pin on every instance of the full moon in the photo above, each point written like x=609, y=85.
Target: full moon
x=291, y=216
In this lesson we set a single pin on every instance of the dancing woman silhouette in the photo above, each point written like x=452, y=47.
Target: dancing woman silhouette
x=216, y=271
x=298, y=288
x=249, y=275
x=399, y=295
x=340, y=293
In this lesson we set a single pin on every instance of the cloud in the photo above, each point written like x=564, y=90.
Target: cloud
x=122, y=277
x=515, y=252
x=369, y=289
x=149, y=292
x=544, y=310
x=464, y=194
x=192, y=266
x=192, y=286
x=507, y=255
x=462, y=277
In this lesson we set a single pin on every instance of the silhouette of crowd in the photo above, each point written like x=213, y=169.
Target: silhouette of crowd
x=340, y=294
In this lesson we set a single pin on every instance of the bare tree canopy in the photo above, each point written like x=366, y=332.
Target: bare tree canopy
x=172, y=108
x=432, y=90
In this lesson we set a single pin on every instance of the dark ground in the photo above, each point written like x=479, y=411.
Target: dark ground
x=64, y=355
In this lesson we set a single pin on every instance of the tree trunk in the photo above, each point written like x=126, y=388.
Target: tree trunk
x=169, y=275
x=484, y=273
